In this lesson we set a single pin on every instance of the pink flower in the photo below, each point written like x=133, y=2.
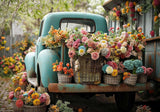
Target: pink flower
x=84, y=39
x=119, y=44
x=112, y=64
x=11, y=95
x=43, y=98
x=139, y=28
x=71, y=37
x=3, y=66
x=23, y=79
x=90, y=50
x=118, y=13
x=149, y=71
x=144, y=68
x=71, y=53
x=47, y=99
x=92, y=44
x=131, y=5
x=134, y=19
x=76, y=44
x=128, y=54
x=124, y=26
x=20, y=96
x=130, y=48
x=84, y=32
x=19, y=103
x=117, y=28
x=108, y=55
x=152, y=33
x=30, y=91
x=94, y=55
x=25, y=73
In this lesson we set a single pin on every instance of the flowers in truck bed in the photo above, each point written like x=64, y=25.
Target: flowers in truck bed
x=54, y=38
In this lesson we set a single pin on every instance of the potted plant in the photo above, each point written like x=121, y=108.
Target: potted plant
x=134, y=67
x=111, y=75
x=65, y=73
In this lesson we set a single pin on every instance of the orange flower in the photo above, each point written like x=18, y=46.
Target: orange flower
x=59, y=68
x=155, y=18
x=67, y=64
x=2, y=38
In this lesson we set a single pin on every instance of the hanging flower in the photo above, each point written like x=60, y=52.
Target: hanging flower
x=94, y=55
x=19, y=103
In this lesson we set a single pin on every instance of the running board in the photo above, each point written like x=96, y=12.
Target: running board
x=101, y=88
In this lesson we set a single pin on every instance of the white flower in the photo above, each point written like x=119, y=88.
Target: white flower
x=109, y=70
x=124, y=44
x=123, y=49
x=81, y=52
x=140, y=46
x=76, y=62
x=77, y=68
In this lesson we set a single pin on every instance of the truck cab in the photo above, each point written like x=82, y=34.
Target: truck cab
x=39, y=63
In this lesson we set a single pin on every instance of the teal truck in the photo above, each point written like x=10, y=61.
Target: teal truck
x=39, y=63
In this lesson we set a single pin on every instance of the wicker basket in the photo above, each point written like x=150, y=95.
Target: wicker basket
x=142, y=78
x=90, y=70
x=15, y=108
x=62, y=78
x=131, y=80
x=41, y=108
x=108, y=79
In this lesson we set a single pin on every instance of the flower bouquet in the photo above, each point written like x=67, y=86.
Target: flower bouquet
x=65, y=73
x=143, y=108
x=55, y=38
x=111, y=73
x=134, y=67
x=84, y=53
x=30, y=101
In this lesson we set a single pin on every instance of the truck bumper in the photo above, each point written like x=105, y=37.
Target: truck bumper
x=101, y=88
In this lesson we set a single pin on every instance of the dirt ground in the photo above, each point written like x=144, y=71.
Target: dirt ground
x=97, y=103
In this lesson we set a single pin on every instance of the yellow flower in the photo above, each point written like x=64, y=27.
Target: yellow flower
x=123, y=11
x=126, y=73
x=17, y=89
x=36, y=102
x=28, y=99
x=35, y=95
x=3, y=47
x=7, y=49
x=128, y=24
x=54, y=107
x=115, y=72
x=127, y=3
x=134, y=3
x=5, y=72
x=4, y=41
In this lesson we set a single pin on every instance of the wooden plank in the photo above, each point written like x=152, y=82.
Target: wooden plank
x=153, y=39
x=101, y=88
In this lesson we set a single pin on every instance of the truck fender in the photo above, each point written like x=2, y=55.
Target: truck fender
x=45, y=60
x=30, y=64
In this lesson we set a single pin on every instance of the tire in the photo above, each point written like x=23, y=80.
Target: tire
x=125, y=101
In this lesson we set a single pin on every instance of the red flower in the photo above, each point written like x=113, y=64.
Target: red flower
x=132, y=9
x=131, y=5
x=19, y=103
x=156, y=2
x=152, y=33
x=132, y=15
x=118, y=13
x=134, y=19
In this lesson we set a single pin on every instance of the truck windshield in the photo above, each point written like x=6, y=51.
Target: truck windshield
x=72, y=23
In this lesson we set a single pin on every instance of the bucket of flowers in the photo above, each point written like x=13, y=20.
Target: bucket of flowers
x=134, y=68
x=64, y=73
x=84, y=52
x=30, y=101
x=142, y=78
x=111, y=75
x=15, y=97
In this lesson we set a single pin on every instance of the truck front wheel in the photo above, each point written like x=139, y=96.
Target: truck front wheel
x=125, y=101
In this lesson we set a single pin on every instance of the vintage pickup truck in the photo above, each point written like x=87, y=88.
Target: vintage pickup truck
x=39, y=63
